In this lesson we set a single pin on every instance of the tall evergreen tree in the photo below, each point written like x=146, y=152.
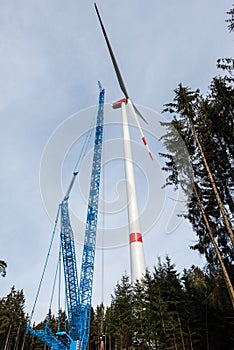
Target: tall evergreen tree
x=140, y=313
x=205, y=128
x=121, y=306
x=97, y=327
x=12, y=319
x=208, y=183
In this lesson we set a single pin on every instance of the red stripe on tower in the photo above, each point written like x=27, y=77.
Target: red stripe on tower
x=135, y=237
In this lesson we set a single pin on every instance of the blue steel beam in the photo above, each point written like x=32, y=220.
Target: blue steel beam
x=48, y=338
x=70, y=270
x=88, y=257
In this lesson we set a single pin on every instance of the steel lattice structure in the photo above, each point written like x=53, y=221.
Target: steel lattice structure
x=87, y=267
x=78, y=297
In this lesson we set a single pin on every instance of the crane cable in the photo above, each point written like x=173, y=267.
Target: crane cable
x=75, y=172
x=52, y=293
x=85, y=145
x=59, y=287
x=83, y=152
x=45, y=266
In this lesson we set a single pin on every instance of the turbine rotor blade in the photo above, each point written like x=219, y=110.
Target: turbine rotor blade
x=117, y=71
x=133, y=112
x=139, y=113
x=133, y=109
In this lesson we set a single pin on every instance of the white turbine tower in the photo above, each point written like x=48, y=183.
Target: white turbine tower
x=137, y=257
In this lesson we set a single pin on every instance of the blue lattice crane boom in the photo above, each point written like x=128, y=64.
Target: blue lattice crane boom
x=78, y=297
x=79, y=300
x=87, y=267
x=70, y=269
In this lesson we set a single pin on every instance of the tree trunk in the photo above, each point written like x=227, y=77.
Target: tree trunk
x=8, y=336
x=32, y=344
x=225, y=273
x=190, y=338
x=22, y=347
x=174, y=340
x=116, y=344
x=216, y=192
x=162, y=320
x=181, y=331
x=17, y=338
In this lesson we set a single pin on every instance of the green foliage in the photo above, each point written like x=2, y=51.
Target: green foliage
x=199, y=141
x=211, y=120
x=3, y=266
x=97, y=326
x=230, y=20
x=169, y=311
x=121, y=305
x=163, y=311
x=12, y=319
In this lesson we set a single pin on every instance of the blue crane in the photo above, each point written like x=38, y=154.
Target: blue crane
x=87, y=267
x=78, y=296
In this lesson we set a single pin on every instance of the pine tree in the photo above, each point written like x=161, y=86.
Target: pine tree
x=208, y=183
x=121, y=307
x=140, y=314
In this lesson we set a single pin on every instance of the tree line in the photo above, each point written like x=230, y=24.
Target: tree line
x=166, y=310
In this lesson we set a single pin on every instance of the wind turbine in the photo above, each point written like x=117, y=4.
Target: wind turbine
x=137, y=257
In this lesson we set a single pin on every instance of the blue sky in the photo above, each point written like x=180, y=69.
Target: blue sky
x=52, y=55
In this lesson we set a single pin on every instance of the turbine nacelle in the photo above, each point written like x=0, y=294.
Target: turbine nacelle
x=118, y=104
